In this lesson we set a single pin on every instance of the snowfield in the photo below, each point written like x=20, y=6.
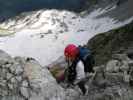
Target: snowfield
x=44, y=34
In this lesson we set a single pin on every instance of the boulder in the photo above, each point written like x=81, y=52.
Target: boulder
x=41, y=82
x=130, y=53
x=113, y=66
x=22, y=79
x=58, y=73
x=5, y=58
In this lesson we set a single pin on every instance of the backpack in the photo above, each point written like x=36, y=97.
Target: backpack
x=84, y=52
x=86, y=56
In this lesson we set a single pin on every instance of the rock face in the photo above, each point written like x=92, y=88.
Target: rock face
x=114, y=51
x=112, y=80
x=24, y=79
x=105, y=44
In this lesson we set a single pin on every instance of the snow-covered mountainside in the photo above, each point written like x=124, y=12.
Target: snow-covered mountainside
x=44, y=34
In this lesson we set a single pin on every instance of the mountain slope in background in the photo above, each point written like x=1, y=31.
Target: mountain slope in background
x=10, y=9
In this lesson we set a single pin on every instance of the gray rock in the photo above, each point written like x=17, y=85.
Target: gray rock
x=113, y=66
x=130, y=63
x=15, y=83
x=126, y=77
x=16, y=68
x=8, y=65
x=19, y=78
x=99, y=78
x=2, y=83
x=13, y=68
x=3, y=72
x=130, y=53
x=24, y=83
x=121, y=63
x=98, y=96
x=42, y=82
x=25, y=92
x=20, y=60
x=114, y=78
x=19, y=70
x=4, y=58
x=10, y=86
x=124, y=66
x=9, y=76
x=3, y=92
x=72, y=94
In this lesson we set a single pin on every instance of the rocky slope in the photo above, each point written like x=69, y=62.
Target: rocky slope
x=108, y=43
x=25, y=79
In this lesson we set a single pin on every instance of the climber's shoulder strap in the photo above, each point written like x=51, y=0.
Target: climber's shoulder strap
x=71, y=71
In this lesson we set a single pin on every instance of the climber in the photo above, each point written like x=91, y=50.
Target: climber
x=76, y=70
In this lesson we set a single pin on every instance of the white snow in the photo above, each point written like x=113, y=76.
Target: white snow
x=78, y=30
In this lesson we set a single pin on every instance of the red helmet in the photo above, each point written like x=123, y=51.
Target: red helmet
x=71, y=51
